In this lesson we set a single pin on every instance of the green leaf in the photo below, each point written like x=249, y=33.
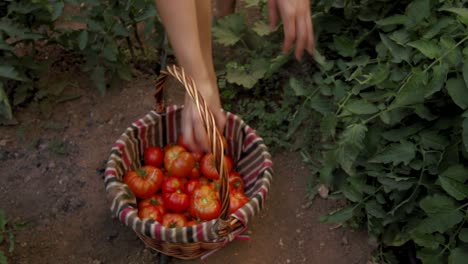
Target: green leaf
x=463, y=235
x=465, y=133
x=247, y=75
x=437, y=204
x=458, y=255
x=440, y=222
x=346, y=47
x=229, y=30
x=354, y=134
x=399, y=53
x=375, y=209
x=456, y=172
x=149, y=12
x=439, y=25
x=9, y=72
x=57, y=10
x=297, y=86
x=398, y=134
x=83, y=39
x=456, y=189
x=461, y=12
x=6, y=112
x=321, y=60
x=393, y=20
x=351, y=193
x=411, y=92
x=99, y=78
x=346, y=156
x=261, y=28
x=455, y=56
x=320, y=104
x=340, y=216
x=110, y=52
x=431, y=139
x=439, y=77
x=396, y=153
x=431, y=241
x=328, y=125
x=465, y=72
x=424, y=112
x=458, y=91
x=426, y=47
x=361, y=107
x=418, y=10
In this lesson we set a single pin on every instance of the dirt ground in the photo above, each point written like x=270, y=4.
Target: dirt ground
x=51, y=175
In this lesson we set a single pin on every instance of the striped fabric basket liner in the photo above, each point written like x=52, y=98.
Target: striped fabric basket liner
x=252, y=160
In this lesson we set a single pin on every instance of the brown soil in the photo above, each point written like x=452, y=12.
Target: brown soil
x=63, y=196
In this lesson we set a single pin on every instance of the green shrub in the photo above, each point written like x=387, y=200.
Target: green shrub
x=392, y=89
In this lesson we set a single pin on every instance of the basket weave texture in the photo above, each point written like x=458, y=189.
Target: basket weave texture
x=249, y=153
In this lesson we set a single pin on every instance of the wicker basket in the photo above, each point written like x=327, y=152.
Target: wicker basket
x=246, y=148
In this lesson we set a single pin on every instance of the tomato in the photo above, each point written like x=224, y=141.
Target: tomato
x=175, y=199
x=203, y=181
x=208, y=165
x=144, y=181
x=153, y=156
x=193, y=222
x=190, y=185
x=215, y=185
x=172, y=184
x=204, y=204
x=236, y=183
x=177, y=202
x=174, y=220
x=229, y=163
x=151, y=212
x=236, y=201
x=178, y=161
x=155, y=201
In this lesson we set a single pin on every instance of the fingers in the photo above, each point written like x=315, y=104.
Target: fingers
x=301, y=40
x=272, y=14
x=289, y=29
x=310, y=35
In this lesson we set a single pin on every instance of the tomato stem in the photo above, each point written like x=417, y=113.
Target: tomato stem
x=141, y=172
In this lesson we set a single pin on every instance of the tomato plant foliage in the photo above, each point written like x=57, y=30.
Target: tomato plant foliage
x=391, y=88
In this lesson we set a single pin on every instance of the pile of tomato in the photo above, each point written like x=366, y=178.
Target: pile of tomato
x=177, y=187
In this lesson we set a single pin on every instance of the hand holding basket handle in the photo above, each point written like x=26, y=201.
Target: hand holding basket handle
x=209, y=123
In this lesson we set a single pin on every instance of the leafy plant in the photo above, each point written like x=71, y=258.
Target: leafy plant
x=392, y=89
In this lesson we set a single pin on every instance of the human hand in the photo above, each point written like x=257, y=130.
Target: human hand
x=297, y=22
x=193, y=130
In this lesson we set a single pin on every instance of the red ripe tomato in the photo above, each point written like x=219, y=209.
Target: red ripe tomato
x=215, y=185
x=172, y=184
x=236, y=183
x=204, y=204
x=190, y=185
x=208, y=166
x=193, y=222
x=144, y=181
x=175, y=199
x=203, y=181
x=174, y=220
x=151, y=212
x=228, y=162
x=153, y=156
x=155, y=201
x=236, y=201
x=177, y=202
x=178, y=161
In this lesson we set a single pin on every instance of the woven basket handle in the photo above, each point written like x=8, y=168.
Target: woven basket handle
x=214, y=135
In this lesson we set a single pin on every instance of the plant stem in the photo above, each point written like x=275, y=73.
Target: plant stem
x=446, y=53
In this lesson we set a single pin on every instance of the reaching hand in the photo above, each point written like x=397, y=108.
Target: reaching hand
x=194, y=132
x=297, y=21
